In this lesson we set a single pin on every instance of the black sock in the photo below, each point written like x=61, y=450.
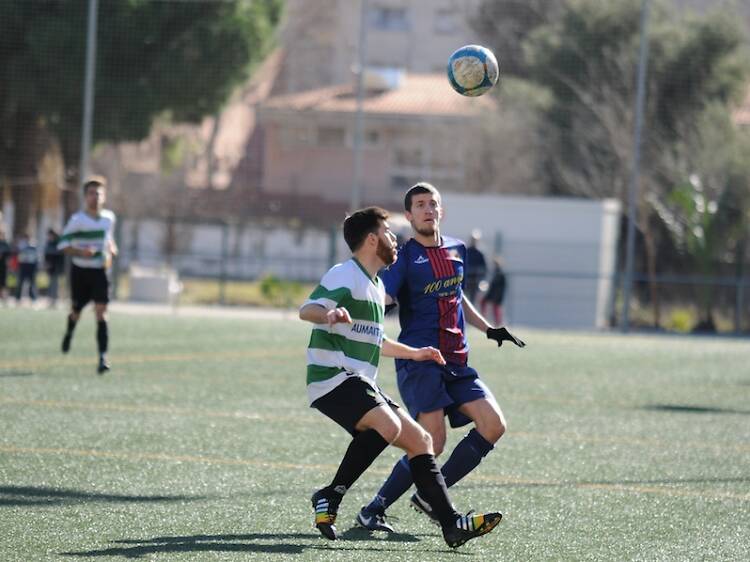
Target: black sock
x=362, y=451
x=102, y=336
x=71, y=325
x=431, y=488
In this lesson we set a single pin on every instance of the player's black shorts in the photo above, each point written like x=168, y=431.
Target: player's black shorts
x=88, y=284
x=349, y=401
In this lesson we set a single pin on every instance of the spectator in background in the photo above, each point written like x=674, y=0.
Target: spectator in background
x=28, y=260
x=54, y=264
x=476, y=266
x=5, y=253
x=496, y=292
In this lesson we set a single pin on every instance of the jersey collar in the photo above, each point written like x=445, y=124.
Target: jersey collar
x=374, y=280
x=442, y=242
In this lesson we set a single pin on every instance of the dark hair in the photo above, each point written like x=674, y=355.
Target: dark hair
x=94, y=181
x=418, y=189
x=361, y=223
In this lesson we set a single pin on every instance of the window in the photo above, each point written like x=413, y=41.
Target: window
x=296, y=136
x=445, y=154
x=331, y=136
x=408, y=157
x=401, y=183
x=389, y=18
x=372, y=137
x=446, y=21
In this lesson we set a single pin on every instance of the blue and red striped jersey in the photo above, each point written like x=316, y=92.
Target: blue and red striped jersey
x=428, y=284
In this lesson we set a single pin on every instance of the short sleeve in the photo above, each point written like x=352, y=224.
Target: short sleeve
x=65, y=238
x=331, y=291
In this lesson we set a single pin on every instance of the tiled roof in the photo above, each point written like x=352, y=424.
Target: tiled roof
x=418, y=94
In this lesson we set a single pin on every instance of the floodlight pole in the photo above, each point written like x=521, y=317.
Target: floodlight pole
x=636, y=170
x=88, y=90
x=359, y=114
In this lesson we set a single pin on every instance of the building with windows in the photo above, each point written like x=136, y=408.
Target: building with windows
x=414, y=129
x=321, y=38
x=415, y=126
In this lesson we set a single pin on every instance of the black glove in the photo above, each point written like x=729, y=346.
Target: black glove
x=500, y=334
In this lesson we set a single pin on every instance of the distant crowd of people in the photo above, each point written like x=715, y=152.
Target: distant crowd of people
x=21, y=259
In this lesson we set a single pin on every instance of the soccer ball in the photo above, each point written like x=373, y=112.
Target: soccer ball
x=472, y=70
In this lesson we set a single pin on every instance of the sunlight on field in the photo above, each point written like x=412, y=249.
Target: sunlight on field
x=200, y=445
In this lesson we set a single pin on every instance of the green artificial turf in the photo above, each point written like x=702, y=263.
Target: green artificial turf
x=199, y=445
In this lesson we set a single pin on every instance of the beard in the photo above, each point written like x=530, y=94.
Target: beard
x=428, y=229
x=386, y=253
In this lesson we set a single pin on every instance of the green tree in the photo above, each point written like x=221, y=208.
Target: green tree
x=586, y=59
x=153, y=58
x=504, y=25
x=706, y=210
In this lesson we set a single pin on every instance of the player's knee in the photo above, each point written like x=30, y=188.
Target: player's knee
x=438, y=444
x=492, y=428
x=423, y=443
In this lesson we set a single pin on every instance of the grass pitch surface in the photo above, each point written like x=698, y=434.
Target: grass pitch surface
x=199, y=445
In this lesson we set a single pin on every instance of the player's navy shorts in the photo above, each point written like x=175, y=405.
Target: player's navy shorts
x=88, y=284
x=426, y=386
x=349, y=401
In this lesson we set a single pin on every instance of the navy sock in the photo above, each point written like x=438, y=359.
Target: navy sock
x=466, y=456
x=362, y=451
x=397, y=484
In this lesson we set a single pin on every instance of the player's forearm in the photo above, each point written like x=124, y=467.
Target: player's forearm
x=397, y=350
x=313, y=313
x=77, y=252
x=473, y=317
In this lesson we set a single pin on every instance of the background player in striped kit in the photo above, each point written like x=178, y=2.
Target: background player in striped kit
x=347, y=310
x=89, y=239
x=427, y=280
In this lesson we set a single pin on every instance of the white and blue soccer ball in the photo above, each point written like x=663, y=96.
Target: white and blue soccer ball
x=473, y=70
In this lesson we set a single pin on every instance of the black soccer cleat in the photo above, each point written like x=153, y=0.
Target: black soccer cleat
x=325, y=510
x=470, y=526
x=373, y=520
x=423, y=507
x=103, y=365
x=66, y=342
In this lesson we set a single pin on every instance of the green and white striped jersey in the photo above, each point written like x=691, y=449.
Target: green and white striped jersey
x=85, y=231
x=342, y=350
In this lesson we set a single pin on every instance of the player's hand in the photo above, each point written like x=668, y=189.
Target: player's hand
x=429, y=354
x=86, y=252
x=501, y=334
x=338, y=316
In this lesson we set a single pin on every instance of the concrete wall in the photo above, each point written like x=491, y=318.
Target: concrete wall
x=212, y=250
x=559, y=254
